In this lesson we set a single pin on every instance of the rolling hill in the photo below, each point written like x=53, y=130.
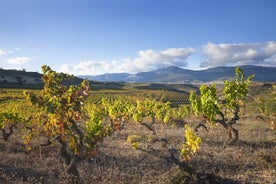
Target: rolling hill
x=24, y=79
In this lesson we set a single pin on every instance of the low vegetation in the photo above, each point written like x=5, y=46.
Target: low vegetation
x=69, y=134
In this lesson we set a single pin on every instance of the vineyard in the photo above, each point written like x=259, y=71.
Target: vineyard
x=176, y=98
x=138, y=133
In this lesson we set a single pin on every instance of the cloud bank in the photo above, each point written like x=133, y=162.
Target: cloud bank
x=18, y=60
x=150, y=59
x=239, y=54
x=147, y=60
x=88, y=68
x=2, y=52
x=233, y=54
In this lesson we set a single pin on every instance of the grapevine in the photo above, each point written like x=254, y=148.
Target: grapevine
x=222, y=111
x=267, y=107
x=12, y=114
x=8, y=121
x=190, y=147
x=146, y=113
x=64, y=119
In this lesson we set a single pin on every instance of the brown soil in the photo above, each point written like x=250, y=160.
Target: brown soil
x=251, y=160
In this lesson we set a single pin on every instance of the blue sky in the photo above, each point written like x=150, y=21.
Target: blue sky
x=110, y=36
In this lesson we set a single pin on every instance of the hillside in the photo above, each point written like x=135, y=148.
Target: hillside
x=178, y=75
x=20, y=78
x=24, y=79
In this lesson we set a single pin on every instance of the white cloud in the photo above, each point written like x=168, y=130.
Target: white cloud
x=87, y=67
x=18, y=60
x=239, y=54
x=2, y=52
x=146, y=60
x=150, y=59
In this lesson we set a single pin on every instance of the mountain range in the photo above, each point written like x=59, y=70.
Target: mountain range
x=175, y=74
x=169, y=75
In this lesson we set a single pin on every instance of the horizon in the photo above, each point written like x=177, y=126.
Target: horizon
x=91, y=37
x=40, y=72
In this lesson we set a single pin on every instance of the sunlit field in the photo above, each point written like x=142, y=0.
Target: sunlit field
x=251, y=159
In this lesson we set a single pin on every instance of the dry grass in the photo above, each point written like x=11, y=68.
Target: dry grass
x=251, y=160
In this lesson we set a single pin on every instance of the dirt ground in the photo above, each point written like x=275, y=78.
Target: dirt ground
x=251, y=160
